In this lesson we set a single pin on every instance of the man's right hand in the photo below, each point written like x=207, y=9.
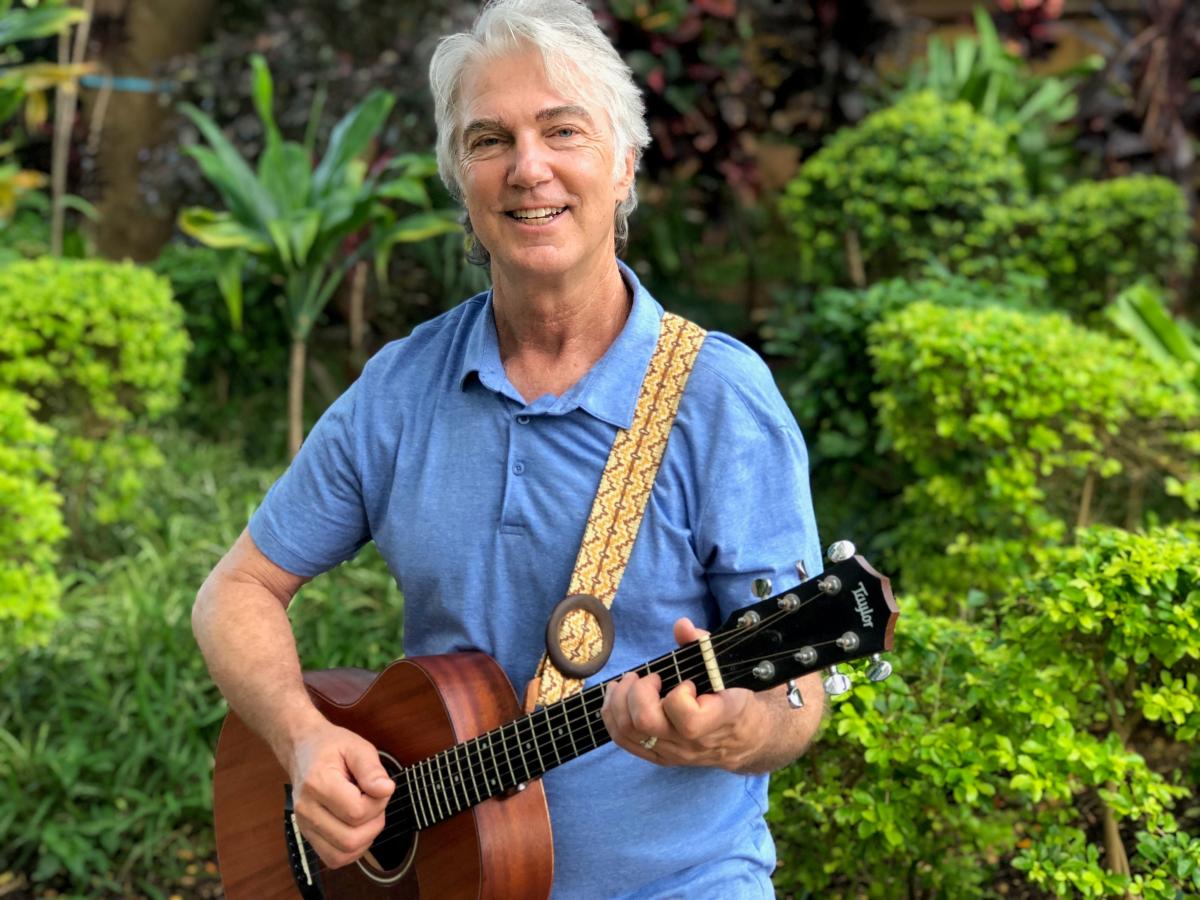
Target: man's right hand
x=340, y=791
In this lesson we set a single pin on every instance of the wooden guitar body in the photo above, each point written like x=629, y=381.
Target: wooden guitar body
x=500, y=848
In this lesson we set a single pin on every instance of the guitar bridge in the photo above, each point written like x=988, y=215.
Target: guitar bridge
x=303, y=860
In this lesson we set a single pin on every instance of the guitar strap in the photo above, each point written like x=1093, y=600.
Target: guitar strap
x=619, y=504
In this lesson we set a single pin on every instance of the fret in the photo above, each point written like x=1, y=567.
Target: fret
x=454, y=753
x=570, y=730
x=508, y=759
x=415, y=800
x=678, y=674
x=457, y=800
x=550, y=731
x=521, y=750
x=471, y=769
x=431, y=766
x=495, y=770
x=587, y=719
x=536, y=748
x=423, y=786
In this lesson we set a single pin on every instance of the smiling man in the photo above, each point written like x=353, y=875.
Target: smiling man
x=470, y=452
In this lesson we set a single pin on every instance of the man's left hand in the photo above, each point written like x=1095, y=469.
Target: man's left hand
x=725, y=730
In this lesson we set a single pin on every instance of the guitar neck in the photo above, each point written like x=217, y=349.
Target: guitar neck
x=508, y=757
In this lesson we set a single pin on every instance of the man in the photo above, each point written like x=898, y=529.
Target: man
x=470, y=453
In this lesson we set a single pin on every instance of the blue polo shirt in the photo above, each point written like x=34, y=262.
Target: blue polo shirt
x=477, y=500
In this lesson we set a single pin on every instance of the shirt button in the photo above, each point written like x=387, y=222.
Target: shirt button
x=522, y=420
x=518, y=468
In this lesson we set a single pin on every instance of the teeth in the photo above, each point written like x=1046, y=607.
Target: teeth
x=537, y=213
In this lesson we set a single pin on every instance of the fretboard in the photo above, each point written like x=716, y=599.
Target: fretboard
x=507, y=757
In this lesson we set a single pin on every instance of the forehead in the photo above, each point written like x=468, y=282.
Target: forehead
x=516, y=87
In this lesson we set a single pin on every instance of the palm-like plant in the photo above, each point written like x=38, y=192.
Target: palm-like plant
x=294, y=219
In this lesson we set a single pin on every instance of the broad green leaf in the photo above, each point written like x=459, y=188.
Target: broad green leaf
x=229, y=280
x=246, y=196
x=264, y=97
x=282, y=240
x=24, y=25
x=303, y=229
x=410, y=190
x=286, y=173
x=221, y=230
x=351, y=137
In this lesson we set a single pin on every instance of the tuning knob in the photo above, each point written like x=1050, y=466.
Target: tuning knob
x=880, y=668
x=794, y=698
x=761, y=588
x=835, y=682
x=840, y=551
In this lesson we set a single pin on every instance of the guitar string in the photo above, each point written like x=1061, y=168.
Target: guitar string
x=431, y=804
x=720, y=643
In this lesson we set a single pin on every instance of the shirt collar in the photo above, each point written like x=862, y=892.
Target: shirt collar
x=609, y=391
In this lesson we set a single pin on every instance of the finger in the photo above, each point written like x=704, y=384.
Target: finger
x=333, y=786
x=686, y=631
x=644, y=703
x=343, y=842
x=694, y=716
x=362, y=760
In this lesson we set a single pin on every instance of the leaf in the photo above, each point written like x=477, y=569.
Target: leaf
x=410, y=190
x=230, y=264
x=24, y=25
x=248, y=200
x=350, y=138
x=221, y=230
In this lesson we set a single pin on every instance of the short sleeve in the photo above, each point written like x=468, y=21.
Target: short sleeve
x=314, y=516
x=756, y=519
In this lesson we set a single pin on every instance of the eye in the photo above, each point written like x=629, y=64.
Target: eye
x=565, y=131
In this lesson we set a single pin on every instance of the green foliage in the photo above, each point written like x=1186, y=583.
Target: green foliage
x=1140, y=312
x=107, y=733
x=965, y=756
x=31, y=526
x=100, y=347
x=1125, y=609
x=1098, y=238
x=827, y=378
x=1017, y=424
x=907, y=183
x=1034, y=109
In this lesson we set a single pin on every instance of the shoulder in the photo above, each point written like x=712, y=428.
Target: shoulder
x=435, y=346
x=732, y=382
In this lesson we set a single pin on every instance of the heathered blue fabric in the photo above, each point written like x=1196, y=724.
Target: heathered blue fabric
x=478, y=501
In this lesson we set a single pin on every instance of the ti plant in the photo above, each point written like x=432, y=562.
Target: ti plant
x=999, y=85
x=298, y=222
x=25, y=84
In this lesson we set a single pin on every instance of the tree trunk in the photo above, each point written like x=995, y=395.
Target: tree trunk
x=296, y=398
x=1114, y=848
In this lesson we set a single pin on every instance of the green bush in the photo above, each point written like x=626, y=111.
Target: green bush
x=1017, y=425
x=908, y=182
x=963, y=759
x=1090, y=242
x=827, y=376
x=100, y=346
x=31, y=526
x=107, y=733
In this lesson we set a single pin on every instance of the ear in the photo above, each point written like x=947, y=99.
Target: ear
x=625, y=181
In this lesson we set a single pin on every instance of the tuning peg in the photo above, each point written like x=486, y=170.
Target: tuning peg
x=840, y=551
x=801, y=570
x=835, y=682
x=794, y=698
x=761, y=588
x=880, y=668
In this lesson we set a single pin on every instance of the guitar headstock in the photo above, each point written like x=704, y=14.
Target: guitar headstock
x=846, y=613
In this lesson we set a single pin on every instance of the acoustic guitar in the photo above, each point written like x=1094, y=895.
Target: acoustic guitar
x=468, y=817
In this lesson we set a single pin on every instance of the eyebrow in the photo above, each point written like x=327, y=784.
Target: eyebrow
x=551, y=112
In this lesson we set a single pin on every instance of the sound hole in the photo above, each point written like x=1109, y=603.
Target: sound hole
x=392, y=854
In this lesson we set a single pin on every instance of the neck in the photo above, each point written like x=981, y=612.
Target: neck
x=551, y=332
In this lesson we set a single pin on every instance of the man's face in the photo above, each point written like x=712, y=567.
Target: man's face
x=537, y=170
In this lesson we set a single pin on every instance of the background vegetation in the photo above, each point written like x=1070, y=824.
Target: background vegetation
x=970, y=269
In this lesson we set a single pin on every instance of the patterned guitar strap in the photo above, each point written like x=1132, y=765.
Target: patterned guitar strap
x=619, y=504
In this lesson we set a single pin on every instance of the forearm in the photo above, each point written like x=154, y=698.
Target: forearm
x=246, y=639
x=785, y=733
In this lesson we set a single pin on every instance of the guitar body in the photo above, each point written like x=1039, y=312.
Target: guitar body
x=500, y=848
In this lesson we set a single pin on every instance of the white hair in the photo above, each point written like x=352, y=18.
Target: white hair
x=580, y=62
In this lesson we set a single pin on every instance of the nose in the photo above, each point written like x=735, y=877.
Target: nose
x=530, y=163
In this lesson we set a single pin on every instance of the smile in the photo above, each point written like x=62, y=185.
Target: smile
x=537, y=216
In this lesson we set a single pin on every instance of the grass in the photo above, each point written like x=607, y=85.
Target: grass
x=106, y=734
